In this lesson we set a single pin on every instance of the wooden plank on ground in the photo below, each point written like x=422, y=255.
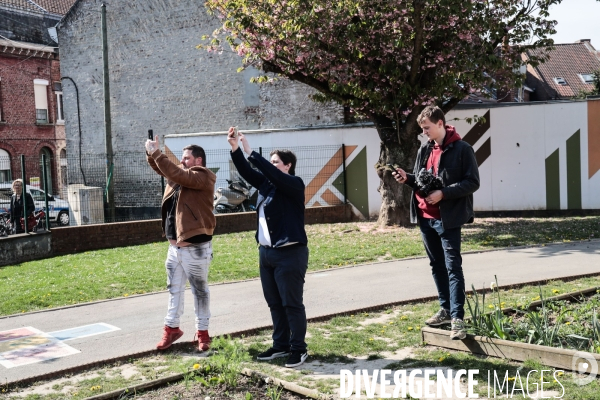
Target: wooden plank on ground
x=553, y=357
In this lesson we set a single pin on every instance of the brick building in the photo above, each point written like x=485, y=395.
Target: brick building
x=31, y=114
x=31, y=121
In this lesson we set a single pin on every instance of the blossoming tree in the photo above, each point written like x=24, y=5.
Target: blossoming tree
x=387, y=59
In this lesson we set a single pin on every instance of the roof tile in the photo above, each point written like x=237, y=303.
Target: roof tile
x=59, y=7
x=567, y=61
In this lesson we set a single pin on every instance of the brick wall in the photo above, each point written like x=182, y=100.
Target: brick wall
x=160, y=81
x=20, y=248
x=19, y=132
x=93, y=237
x=285, y=103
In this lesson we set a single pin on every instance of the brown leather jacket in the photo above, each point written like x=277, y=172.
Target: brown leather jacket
x=194, y=212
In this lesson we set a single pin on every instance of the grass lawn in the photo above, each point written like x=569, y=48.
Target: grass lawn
x=389, y=339
x=125, y=271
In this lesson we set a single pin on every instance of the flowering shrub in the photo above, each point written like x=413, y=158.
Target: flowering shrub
x=387, y=59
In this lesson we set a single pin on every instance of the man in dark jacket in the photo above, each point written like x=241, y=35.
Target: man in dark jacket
x=283, y=251
x=441, y=213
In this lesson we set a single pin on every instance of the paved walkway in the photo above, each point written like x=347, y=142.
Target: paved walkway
x=123, y=326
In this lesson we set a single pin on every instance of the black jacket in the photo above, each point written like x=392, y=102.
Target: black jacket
x=16, y=206
x=282, y=194
x=460, y=174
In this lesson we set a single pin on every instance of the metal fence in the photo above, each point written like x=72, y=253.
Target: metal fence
x=77, y=185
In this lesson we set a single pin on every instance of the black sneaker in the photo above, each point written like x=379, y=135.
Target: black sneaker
x=296, y=358
x=272, y=354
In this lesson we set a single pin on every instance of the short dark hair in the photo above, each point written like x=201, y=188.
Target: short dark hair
x=434, y=113
x=287, y=157
x=197, y=151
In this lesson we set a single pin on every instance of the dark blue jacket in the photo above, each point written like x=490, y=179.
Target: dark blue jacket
x=460, y=174
x=282, y=194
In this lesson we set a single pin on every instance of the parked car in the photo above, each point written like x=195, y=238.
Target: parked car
x=58, y=208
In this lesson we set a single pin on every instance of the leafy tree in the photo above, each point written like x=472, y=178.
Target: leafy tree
x=595, y=90
x=387, y=59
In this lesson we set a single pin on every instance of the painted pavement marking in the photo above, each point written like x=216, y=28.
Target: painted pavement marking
x=28, y=345
x=84, y=331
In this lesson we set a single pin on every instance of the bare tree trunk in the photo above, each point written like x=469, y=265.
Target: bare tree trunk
x=399, y=148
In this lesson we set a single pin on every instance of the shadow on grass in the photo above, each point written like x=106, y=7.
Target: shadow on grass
x=507, y=232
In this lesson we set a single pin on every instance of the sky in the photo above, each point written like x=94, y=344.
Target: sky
x=577, y=19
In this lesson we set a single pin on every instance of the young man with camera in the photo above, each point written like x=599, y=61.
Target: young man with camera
x=188, y=223
x=441, y=213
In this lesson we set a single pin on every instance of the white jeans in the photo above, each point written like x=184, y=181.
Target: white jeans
x=191, y=264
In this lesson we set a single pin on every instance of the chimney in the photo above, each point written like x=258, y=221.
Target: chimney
x=583, y=41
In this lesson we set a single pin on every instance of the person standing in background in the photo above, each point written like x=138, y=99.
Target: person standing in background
x=17, y=211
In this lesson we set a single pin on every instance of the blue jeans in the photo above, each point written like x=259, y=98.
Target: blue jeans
x=443, y=248
x=282, y=272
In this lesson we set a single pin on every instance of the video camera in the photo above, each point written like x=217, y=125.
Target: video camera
x=427, y=182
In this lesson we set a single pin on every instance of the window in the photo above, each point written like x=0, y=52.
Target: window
x=48, y=153
x=587, y=78
x=41, y=100
x=60, y=116
x=1, y=115
x=560, y=81
x=37, y=194
x=5, y=175
x=63, y=174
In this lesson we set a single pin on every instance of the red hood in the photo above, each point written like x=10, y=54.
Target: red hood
x=451, y=136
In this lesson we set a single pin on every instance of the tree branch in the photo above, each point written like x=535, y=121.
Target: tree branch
x=450, y=104
x=321, y=86
x=418, y=45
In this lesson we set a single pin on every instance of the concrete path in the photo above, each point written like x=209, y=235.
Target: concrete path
x=240, y=306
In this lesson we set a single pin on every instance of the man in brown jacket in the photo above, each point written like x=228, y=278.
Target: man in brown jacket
x=188, y=223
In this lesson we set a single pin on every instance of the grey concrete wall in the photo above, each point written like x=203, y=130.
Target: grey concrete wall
x=24, y=247
x=160, y=81
x=286, y=103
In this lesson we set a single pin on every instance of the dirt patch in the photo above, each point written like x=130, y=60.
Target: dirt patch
x=320, y=370
x=129, y=371
x=376, y=228
x=194, y=390
x=381, y=319
x=62, y=385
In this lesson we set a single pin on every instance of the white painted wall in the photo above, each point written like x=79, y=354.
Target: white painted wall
x=512, y=178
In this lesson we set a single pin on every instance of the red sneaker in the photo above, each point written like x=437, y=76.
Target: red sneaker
x=203, y=340
x=169, y=336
